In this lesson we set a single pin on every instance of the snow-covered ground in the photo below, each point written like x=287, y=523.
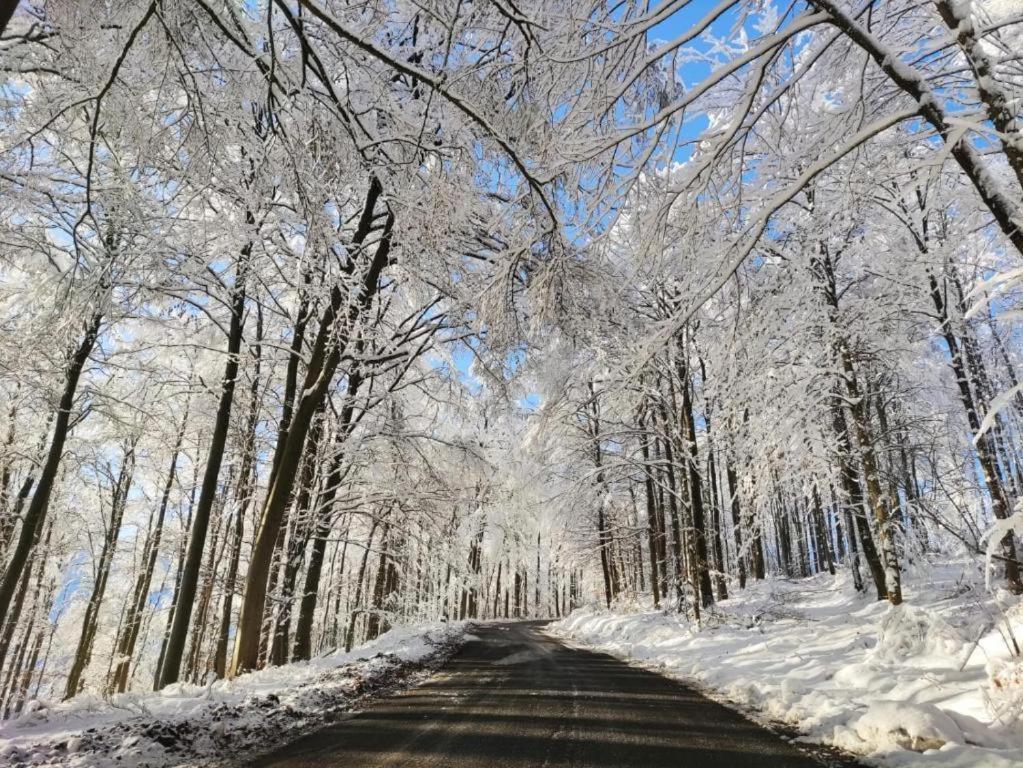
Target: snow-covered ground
x=930, y=683
x=188, y=725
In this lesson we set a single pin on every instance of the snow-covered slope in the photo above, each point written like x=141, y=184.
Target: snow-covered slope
x=194, y=725
x=930, y=683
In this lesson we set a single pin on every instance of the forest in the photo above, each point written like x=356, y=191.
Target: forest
x=321, y=318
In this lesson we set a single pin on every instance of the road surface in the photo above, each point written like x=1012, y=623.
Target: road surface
x=516, y=698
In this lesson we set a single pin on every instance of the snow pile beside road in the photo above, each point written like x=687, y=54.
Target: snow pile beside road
x=227, y=720
x=932, y=682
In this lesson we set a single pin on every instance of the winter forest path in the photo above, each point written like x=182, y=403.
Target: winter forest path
x=515, y=697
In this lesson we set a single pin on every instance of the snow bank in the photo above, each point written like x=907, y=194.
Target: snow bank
x=901, y=725
x=930, y=683
x=197, y=725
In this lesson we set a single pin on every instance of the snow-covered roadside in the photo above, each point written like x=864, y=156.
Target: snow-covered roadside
x=930, y=683
x=220, y=724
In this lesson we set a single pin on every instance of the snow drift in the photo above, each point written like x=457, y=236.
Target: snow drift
x=932, y=682
x=197, y=725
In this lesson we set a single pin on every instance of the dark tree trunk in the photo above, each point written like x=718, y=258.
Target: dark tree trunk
x=733, y=502
x=246, y=491
x=853, y=492
x=717, y=529
x=182, y=549
x=374, y=623
x=695, y=485
x=824, y=273
x=7, y=8
x=824, y=554
x=171, y=669
x=871, y=474
x=653, y=532
x=605, y=538
x=332, y=338
x=672, y=495
x=90, y=622
x=129, y=635
x=1000, y=502
x=297, y=541
x=32, y=522
x=357, y=601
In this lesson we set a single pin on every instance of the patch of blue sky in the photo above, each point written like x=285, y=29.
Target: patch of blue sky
x=530, y=401
x=69, y=586
x=463, y=356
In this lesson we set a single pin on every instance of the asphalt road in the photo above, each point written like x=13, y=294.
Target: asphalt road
x=516, y=698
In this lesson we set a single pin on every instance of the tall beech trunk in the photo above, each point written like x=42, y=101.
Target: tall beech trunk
x=90, y=622
x=246, y=490
x=374, y=625
x=733, y=503
x=612, y=584
x=871, y=474
x=825, y=557
x=335, y=330
x=171, y=669
x=853, y=491
x=695, y=483
x=983, y=443
x=672, y=494
x=182, y=549
x=323, y=515
x=655, y=535
x=335, y=626
x=7, y=636
x=291, y=374
x=717, y=526
x=128, y=637
x=497, y=591
x=268, y=627
x=824, y=274
x=360, y=579
x=8, y=519
x=297, y=542
x=32, y=522
x=201, y=612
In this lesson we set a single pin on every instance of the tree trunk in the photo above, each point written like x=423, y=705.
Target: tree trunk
x=872, y=478
x=246, y=490
x=733, y=502
x=37, y=508
x=90, y=622
x=125, y=647
x=1000, y=502
x=355, y=610
x=374, y=625
x=171, y=669
x=824, y=273
x=695, y=484
x=653, y=532
x=332, y=339
x=604, y=534
x=182, y=549
x=672, y=495
x=297, y=541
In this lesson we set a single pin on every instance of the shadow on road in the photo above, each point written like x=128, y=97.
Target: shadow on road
x=515, y=698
